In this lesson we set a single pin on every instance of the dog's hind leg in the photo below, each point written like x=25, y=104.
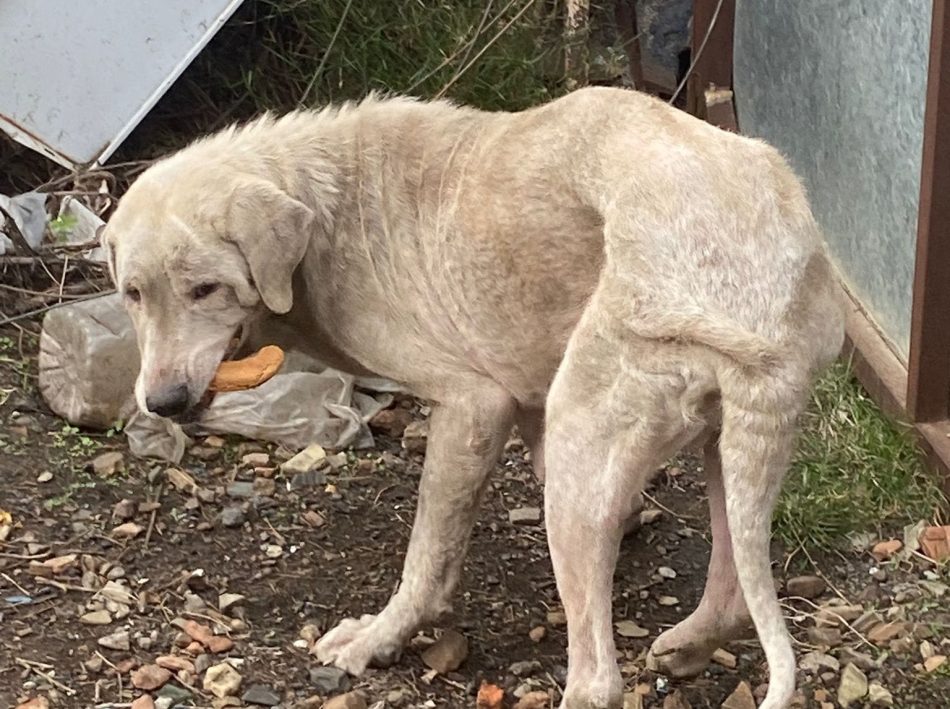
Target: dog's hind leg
x=721, y=616
x=600, y=448
x=467, y=433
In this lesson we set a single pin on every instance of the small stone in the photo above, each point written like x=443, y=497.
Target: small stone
x=261, y=695
x=534, y=700
x=815, y=662
x=227, y=601
x=853, y=686
x=116, y=641
x=222, y=680
x=337, y=461
x=219, y=644
x=181, y=480
x=556, y=618
x=264, y=487
x=34, y=703
x=414, y=436
x=934, y=662
x=125, y=510
x=537, y=633
x=668, y=601
x=884, y=632
x=256, y=460
x=806, y=586
x=194, y=630
x=833, y=615
x=447, y=653
x=827, y=637
x=391, y=421
x=215, y=442
x=240, y=489
x=935, y=542
x=108, y=464
x=232, y=517
x=150, y=677
x=127, y=530
x=847, y=655
x=926, y=650
x=666, y=572
x=724, y=658
x=44, y=477
x=524, y=668
x=329, y=680
x=194, y=604
x=676, y=700
x=350, y=700
x=100, y=617
x=629, y=629
x=650, y=516
x=313, y=519
x=143, y=702
x=310, y=458
x=525, y=515
x=176, y=663
x=204, y=453
x=882, y=551
x=741, y=698
x=878, y=696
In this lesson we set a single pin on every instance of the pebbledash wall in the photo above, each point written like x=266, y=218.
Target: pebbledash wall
x=839, y=87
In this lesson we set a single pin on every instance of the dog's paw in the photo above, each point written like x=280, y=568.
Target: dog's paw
x=605, y=693
x=674, y=656
x=356, y=644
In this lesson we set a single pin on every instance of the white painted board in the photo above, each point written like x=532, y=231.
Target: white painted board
x=76, y=76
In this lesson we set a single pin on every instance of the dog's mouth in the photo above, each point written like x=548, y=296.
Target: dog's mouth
x=194, y=413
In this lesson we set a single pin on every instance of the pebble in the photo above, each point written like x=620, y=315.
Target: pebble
x=557, y=618
x=447, y=653
x=827, y=637
x=724, y=658
x=310, y=478
x=143, y=702
x=240, y=489
x=666, y=572
x=806, y=586
x=882, y=551
x=934, y=662
x=533, y=700
x=350, y=700
x=232, y=517
x=815, y=662
x=525, y=668
x=116, y=641
x=150, y=677
x=108, y=464
x=222, y=680
x=128, y=530
x=329, y=680
x=261, y=695
x=741, y=698
x=847, y=655
x=256, y=460
x=853, y=686
x=310, y=458
x=227, y=601
x=884, y=632
x=537, y=633
x=668, y=601
x=629, y=629
x=414, y=436
x=878, y=696
x=525, y=515
x=102, y=617
x=44, y=477
x=650, y=516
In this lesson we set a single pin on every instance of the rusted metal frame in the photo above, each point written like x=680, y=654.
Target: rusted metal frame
x=928, y=371
x=712, y=67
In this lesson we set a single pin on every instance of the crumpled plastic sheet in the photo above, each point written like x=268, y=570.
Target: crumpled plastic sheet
x=292, y=409
x=29, y=213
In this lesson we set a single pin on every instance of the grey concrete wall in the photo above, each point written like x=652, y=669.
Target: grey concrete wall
x=839, y=87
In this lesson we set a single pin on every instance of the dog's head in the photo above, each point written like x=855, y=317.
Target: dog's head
x=195, y=249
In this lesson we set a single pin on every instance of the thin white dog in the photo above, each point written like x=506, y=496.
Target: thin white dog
x=653, y=280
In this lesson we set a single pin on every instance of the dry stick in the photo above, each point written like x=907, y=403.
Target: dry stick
x=666, y=509
x=22, y=590
x=151, y=521
x=35, y=670
x=473, y=60
x=326, y=54
x=63, y=586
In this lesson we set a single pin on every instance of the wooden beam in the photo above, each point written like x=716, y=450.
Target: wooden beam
x=928, y=380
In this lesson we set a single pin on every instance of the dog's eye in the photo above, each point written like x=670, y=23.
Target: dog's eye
x=203, y=291
x=133, y=294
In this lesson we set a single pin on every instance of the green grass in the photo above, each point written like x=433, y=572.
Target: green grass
x=855, y=471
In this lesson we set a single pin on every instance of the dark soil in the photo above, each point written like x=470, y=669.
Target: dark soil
x=349, y=566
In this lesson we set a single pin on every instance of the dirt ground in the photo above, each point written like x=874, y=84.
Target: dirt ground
x=315, y=555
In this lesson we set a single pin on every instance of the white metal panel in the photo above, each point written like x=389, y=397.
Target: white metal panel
x=77, y=76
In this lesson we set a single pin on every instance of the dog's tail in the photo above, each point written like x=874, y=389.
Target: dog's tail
x=759, y=420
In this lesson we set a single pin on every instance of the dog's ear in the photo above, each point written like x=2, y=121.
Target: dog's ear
x=272, y=231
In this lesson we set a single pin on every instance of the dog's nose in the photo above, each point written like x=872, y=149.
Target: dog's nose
x=170, y=401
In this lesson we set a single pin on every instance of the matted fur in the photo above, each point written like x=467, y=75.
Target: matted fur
x=666, y=276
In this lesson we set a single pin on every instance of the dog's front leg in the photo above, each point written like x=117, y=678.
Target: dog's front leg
x=466, y=436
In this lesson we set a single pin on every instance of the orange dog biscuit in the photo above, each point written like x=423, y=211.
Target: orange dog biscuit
x=249, y=372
